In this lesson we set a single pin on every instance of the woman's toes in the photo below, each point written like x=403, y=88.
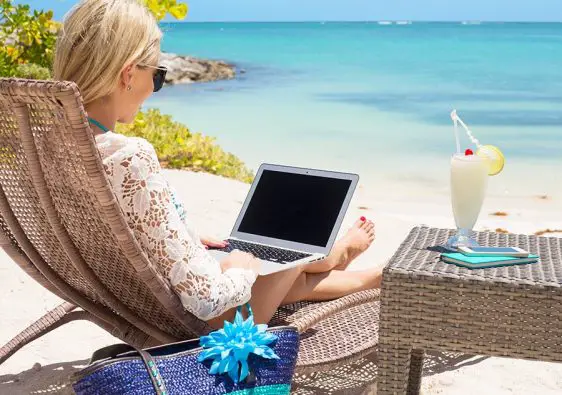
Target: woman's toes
x=360, y=222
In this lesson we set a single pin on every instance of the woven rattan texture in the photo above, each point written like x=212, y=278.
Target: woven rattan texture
x=72, y=194
x=419, y=256
x=6, y=232
x=17, y=185
x=513, y=311
x=335, y=340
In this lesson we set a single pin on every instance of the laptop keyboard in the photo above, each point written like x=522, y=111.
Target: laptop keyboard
x=265, y=252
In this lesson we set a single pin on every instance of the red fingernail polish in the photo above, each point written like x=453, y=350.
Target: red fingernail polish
x=206, y=247
x=363, y=219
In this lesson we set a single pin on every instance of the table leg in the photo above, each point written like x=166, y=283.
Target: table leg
x=416, y=367
x=394, y=369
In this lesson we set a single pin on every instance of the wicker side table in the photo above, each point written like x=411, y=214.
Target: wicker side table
x=426, y=304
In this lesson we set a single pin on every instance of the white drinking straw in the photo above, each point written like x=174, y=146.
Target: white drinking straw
x=468, y=132
x=455, y=119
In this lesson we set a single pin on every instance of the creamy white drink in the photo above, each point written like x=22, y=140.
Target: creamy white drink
x=469, y=179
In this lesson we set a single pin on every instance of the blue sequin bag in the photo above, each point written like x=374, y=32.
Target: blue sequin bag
x=240, y=359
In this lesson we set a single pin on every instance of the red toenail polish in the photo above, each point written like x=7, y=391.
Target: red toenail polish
x=363, y=219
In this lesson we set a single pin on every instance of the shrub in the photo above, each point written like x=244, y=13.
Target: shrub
x=25, y=37
x=32, y=71
x=29, y=36
x=7, y=62
x=162, y=7
x=178, y=148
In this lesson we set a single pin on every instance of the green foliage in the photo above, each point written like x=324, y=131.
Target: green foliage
x=32, y=72
x=28, y=36
x=7, y=63
x=25, y=37
x=160, y=8
x=178, y=148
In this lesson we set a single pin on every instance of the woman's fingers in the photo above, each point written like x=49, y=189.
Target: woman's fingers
x=213, y=242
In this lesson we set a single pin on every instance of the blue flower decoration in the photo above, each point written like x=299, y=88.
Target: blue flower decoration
x=230, y=347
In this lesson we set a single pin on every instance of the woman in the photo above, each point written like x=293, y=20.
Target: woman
x=111, y=49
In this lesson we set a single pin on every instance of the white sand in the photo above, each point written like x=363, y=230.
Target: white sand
x=213, y=203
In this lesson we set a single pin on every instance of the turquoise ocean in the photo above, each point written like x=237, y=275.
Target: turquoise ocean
x=375, y=98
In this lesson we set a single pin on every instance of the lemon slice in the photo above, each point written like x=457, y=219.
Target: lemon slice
x=494, y=156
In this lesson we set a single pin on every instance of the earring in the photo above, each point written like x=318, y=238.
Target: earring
x=129, y=87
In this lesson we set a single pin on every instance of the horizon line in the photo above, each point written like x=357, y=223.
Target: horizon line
x=364, y=21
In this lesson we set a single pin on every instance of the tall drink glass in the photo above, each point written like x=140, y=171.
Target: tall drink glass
x=469, y=179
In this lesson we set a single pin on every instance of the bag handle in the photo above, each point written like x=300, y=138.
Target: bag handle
x=157, y=382
x=154, y=373
x=117, y=349
x=248, y=307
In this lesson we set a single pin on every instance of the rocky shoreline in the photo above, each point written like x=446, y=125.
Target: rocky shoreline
x=188, y=69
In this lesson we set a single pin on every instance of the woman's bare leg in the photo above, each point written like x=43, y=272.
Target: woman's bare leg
x=332, y=285
x=295, y=285
x=357, y=239
x=268, y=292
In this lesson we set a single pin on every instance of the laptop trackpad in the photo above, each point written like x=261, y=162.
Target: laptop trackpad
x=218, y=254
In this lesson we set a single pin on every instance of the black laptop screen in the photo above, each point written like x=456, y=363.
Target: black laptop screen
x=295, y=207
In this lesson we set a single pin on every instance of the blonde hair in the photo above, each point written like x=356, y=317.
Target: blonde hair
x=99, y=38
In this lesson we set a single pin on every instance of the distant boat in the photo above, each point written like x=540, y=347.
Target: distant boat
x=385, y=22
x=471, y=22
x=404, y=22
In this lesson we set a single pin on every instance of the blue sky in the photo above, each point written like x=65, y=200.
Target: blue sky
x=349, y=10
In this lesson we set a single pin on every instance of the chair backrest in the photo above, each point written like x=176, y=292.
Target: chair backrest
x=49, y=279
x=56, y=200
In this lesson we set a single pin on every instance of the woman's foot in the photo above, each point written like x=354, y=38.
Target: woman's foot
x=356, y=241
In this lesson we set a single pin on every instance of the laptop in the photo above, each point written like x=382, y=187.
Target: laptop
x=291, y=216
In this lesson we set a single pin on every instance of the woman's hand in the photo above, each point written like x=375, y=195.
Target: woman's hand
x=241, y=260
x=212, y=242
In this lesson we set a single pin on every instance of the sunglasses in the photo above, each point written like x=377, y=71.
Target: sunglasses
x=159, y=76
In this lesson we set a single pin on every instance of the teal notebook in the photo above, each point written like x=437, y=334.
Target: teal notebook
x=481, y=262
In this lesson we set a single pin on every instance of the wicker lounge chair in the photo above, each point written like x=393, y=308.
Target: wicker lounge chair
x=61, y=224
